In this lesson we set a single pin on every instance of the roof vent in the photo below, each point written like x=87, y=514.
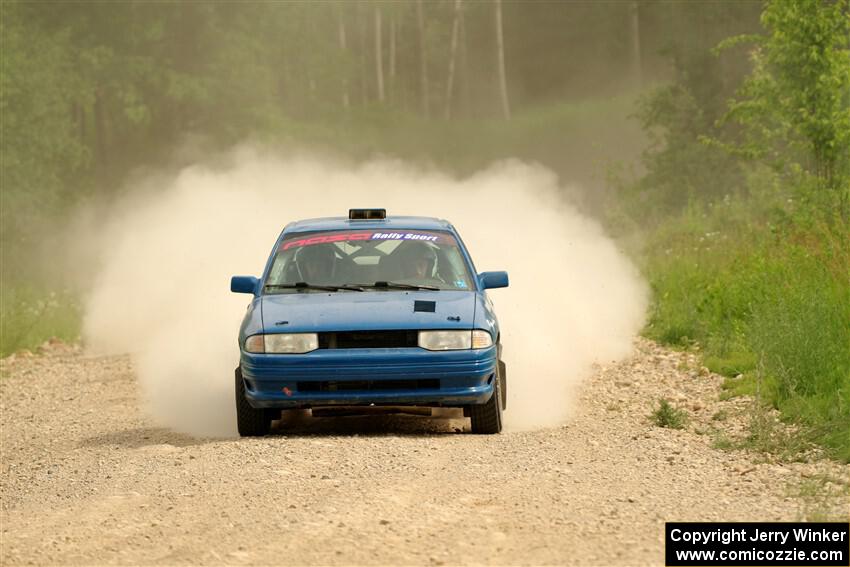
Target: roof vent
x=367, y=214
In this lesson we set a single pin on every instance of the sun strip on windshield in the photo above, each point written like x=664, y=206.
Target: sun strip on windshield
x=356, y=236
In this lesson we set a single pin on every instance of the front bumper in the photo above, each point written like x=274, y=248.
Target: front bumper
x=380, y=376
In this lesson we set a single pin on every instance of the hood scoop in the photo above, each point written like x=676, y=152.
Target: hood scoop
x=424, y=306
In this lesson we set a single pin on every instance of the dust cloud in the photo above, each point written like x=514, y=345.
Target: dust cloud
x=166, y=254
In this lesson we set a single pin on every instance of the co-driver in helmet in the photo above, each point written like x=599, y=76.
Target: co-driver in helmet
x=316, y=264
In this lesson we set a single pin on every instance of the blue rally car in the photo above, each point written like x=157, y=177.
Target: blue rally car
x=369, y=310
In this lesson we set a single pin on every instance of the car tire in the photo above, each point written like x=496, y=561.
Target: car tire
x=250, y=421
x=487, y=417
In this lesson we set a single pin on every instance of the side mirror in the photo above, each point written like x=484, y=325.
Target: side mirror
x=244, y=284
x=490, y=280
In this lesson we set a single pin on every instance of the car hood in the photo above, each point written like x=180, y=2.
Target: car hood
x=378, y=310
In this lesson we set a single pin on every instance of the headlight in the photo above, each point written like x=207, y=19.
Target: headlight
x=282, y=343
x=454, y=340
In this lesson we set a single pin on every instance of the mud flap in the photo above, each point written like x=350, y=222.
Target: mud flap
x=503, y=375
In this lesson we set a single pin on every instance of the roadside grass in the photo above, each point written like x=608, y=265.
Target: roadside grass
x=30, y=315
x=722, y=441
x=764, y=291
x=732, y=364
x=779, y=441
x=822, y=498
x=765, y=434
x=720, y=415
x=739, y=385
x=668, y=416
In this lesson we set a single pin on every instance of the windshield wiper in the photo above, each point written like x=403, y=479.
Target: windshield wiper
x=397, y=285
x=305, y=285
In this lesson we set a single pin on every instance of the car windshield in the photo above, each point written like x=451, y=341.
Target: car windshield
x=369, y=259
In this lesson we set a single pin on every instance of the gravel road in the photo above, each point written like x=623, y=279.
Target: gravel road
x=87, y=478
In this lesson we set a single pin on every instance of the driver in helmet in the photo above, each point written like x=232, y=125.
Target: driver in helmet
x=316, y=264
x=417, y=261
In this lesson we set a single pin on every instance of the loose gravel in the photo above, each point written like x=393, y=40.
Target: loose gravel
x=88, y=478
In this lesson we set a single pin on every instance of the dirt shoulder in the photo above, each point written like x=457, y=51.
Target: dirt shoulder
x=87, y=478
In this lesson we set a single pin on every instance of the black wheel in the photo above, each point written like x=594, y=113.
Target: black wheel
x=487, y=417
x=250, y=421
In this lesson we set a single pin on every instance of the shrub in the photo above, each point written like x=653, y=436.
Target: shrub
x=668, y=416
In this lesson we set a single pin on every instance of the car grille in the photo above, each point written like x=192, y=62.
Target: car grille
x=369, y=339
x=367, y=385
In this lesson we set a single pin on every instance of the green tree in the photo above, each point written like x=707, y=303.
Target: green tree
x=39, y=141
x=795, y=106
x=679, y=115
x=680, y=167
